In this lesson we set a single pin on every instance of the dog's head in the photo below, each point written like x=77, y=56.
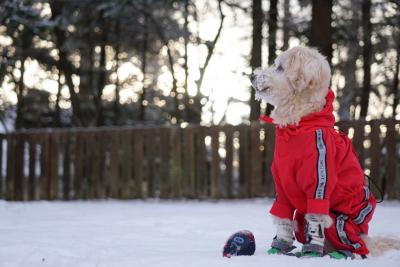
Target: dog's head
x=297, y=71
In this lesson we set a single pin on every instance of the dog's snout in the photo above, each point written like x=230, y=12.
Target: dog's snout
x=252, y=77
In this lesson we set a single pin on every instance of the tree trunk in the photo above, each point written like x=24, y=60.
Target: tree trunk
x=117, y=85
x=256, y=53
x=396, y=84
x=86, y=93
x=63, y=65
x=101, y=84
x=321, y=27
x=20, y=95
x=367, y=57
x=57, y=119
x=195, y=108
x=144, y=65
x=272, y=28
x=286, y=20
x=186, y=58
x=347, y=94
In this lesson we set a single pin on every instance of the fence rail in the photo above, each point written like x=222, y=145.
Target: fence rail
x=169, y=162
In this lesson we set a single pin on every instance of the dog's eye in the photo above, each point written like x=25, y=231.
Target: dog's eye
x=279, y=68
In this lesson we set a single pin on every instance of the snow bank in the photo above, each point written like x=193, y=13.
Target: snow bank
x=153, y=233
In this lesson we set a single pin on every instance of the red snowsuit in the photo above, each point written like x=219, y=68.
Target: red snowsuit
x=316, y=170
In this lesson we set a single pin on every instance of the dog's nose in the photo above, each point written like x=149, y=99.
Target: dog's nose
x=252, y=77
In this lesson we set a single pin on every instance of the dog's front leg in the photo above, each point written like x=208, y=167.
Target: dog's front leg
x=283, y=241
x=315, y=233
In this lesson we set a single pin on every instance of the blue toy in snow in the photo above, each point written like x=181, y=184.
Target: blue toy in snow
x=241, y=243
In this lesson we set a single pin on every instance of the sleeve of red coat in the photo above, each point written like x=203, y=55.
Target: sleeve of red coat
x=281, y=207
x=317, y=175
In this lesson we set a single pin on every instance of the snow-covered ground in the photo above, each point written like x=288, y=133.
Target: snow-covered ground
x=154, y=233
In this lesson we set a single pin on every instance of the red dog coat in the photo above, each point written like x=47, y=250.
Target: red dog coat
x=316, y=170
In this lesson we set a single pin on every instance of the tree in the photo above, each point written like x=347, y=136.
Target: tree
x=367, y=56
x=272, y=29
x=395, y=88
x=256, y=52
x=194, y=110
x=321, y=27
x=286, y=24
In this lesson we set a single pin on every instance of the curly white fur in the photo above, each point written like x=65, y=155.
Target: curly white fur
x=295, y=85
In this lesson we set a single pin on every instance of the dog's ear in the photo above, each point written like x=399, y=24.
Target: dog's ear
x=294, y=69
x=307, y=70
x=313, y=74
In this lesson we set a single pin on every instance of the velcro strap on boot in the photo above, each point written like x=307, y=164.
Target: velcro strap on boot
x=307, y=248
x=282, y=245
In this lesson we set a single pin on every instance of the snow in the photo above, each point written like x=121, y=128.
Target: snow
x=154, y=233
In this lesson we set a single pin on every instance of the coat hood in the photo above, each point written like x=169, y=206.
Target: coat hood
x=323, y=118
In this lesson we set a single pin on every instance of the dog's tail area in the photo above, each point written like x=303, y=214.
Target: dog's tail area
x=378, y=245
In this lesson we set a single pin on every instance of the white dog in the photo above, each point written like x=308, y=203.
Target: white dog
x=322, y=197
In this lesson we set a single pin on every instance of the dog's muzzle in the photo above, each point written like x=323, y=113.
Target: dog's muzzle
x=258, y=82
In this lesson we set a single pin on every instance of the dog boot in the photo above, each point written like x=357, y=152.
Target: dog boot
x=315, y=237
x=280, y=246
x=283, y=241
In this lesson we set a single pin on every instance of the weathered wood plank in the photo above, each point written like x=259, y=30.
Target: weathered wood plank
x=343, y=126
x=43, y=179
x=391, y=185
x=2, y=195
x=255, y=164
x=202, y=170
x=176, y=163
x=101, y=161
x=165, y=183
x=229, y=162
x=114, y=165
x=19, y=167
x=375, y=153
x=215, y=161
x=32, y=168
x=138, y=163
x=10, y=167
x=78, y=170
x=244, y=161
x=150, y=149
x=91, y=148
x=54, y=140
x=66, y=178
x=269, y=146
x=188, y=151
x=126, y=163
x=358, y=141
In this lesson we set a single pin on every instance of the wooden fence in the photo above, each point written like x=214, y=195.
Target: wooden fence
x=169, y=162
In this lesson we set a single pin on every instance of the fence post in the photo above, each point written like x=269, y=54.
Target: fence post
x=2, y=137
x=244, y=159
x=150, y=149
x=19, y=167
x=127, y=163
x=215, y=160
x=66, y=179
x=375, y=153
x=269, y=147
x=256, y=161
x=176, y=162
x=165, y=158
x=392, y=186
x=202, y=172
x=138, y=163
x=10, y=167
x=229, y=161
